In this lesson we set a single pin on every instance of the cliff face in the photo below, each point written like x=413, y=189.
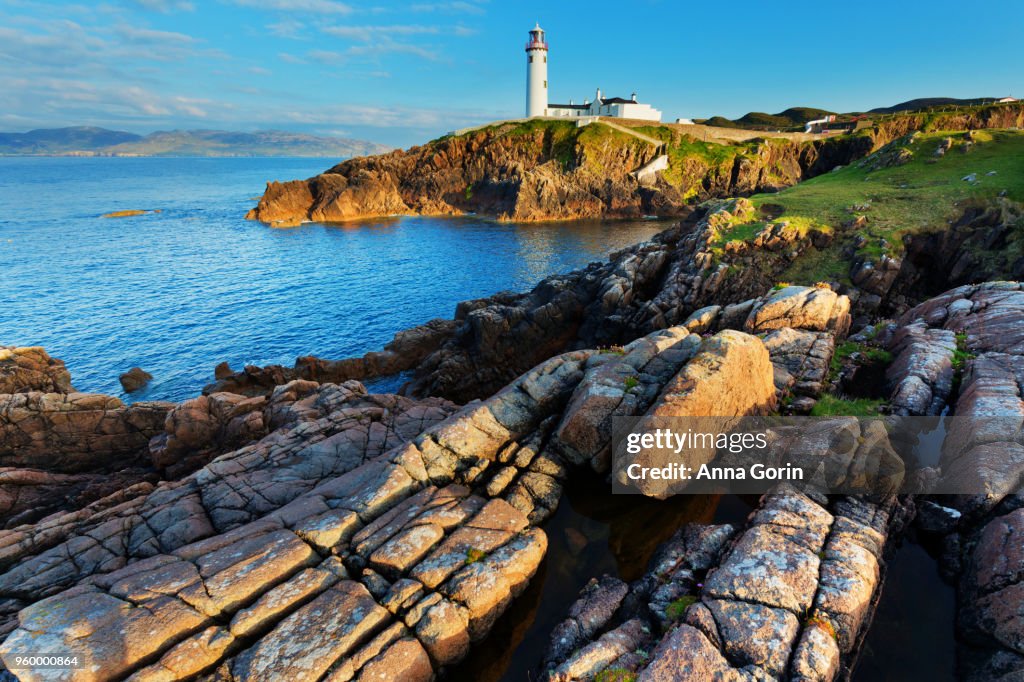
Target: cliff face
x=546, y=170
x=551, y=170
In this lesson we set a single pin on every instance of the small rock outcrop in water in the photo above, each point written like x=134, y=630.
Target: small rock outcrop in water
x=129, y=213
x=404, y=352
x=134, y=379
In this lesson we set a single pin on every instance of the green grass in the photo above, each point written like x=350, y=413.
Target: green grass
x=615, y=675
x=960, y=354
x=559, y=137
x=677, y=609
x=831, y=406
x=474, y=555
x=868, y=355
x=686, y=152
x=815, y=265
x=631, y=383
x=741, y=232
x=917, y=196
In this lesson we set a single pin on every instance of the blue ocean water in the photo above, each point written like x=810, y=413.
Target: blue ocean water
x=178, y=291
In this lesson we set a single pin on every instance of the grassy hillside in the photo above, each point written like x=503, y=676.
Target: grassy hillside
x=904, y=188
x=792, y=118
x=795, y=117
x=929, y=102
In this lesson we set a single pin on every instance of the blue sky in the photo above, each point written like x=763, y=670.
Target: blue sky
x=404, y=72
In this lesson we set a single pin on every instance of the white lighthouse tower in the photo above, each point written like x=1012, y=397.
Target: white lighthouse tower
x=536, y=73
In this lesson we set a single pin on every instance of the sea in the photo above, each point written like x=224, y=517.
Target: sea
x=192, y=283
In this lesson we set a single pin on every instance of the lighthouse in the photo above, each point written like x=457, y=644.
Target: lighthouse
x=536, y=73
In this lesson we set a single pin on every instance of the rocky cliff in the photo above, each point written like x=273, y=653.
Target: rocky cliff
x=552, y=170
x=542, y=170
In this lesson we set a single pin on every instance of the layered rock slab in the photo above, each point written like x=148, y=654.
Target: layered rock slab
x=328, y=431
x=430, y=540
x=74, y=432
x=31, y=369
x=483, y=557
x=974, y=336
x=788, y=597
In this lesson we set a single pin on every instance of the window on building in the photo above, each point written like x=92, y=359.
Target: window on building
x=545, y=85
x=545, y=60
x=531, y=59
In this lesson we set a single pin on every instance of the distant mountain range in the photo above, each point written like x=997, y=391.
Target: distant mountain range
x=90, y=141
x=926, y=102
x=797, y=116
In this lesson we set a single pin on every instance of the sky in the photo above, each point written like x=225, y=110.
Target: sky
x=402, y=73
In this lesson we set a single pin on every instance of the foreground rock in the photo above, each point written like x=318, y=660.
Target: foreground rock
x=404, y=352
x=336, y=544
x=388, y=560
x=28, y=495
x=75, y=432
x=24, y=370
x=319, y=432
x=787, y=597
x=982, y=326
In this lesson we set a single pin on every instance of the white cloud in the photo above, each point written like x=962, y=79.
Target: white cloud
x=448, y=7
x=149, y=36
x=309, y=6
x=165, y=6
x=288, y=28
x=118, y=66
x=367, y=33
x=191, y=106
x=378, y=48
x=325, y=57
x=384, y=117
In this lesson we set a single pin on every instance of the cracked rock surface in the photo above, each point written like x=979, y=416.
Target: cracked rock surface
x=366, y=535
x=983, y=531
x=787, y=596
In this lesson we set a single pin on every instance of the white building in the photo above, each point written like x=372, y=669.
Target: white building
x=537, y=91
x=536, y=73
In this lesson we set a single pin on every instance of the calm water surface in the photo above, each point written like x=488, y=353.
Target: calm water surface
x=179, y=291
